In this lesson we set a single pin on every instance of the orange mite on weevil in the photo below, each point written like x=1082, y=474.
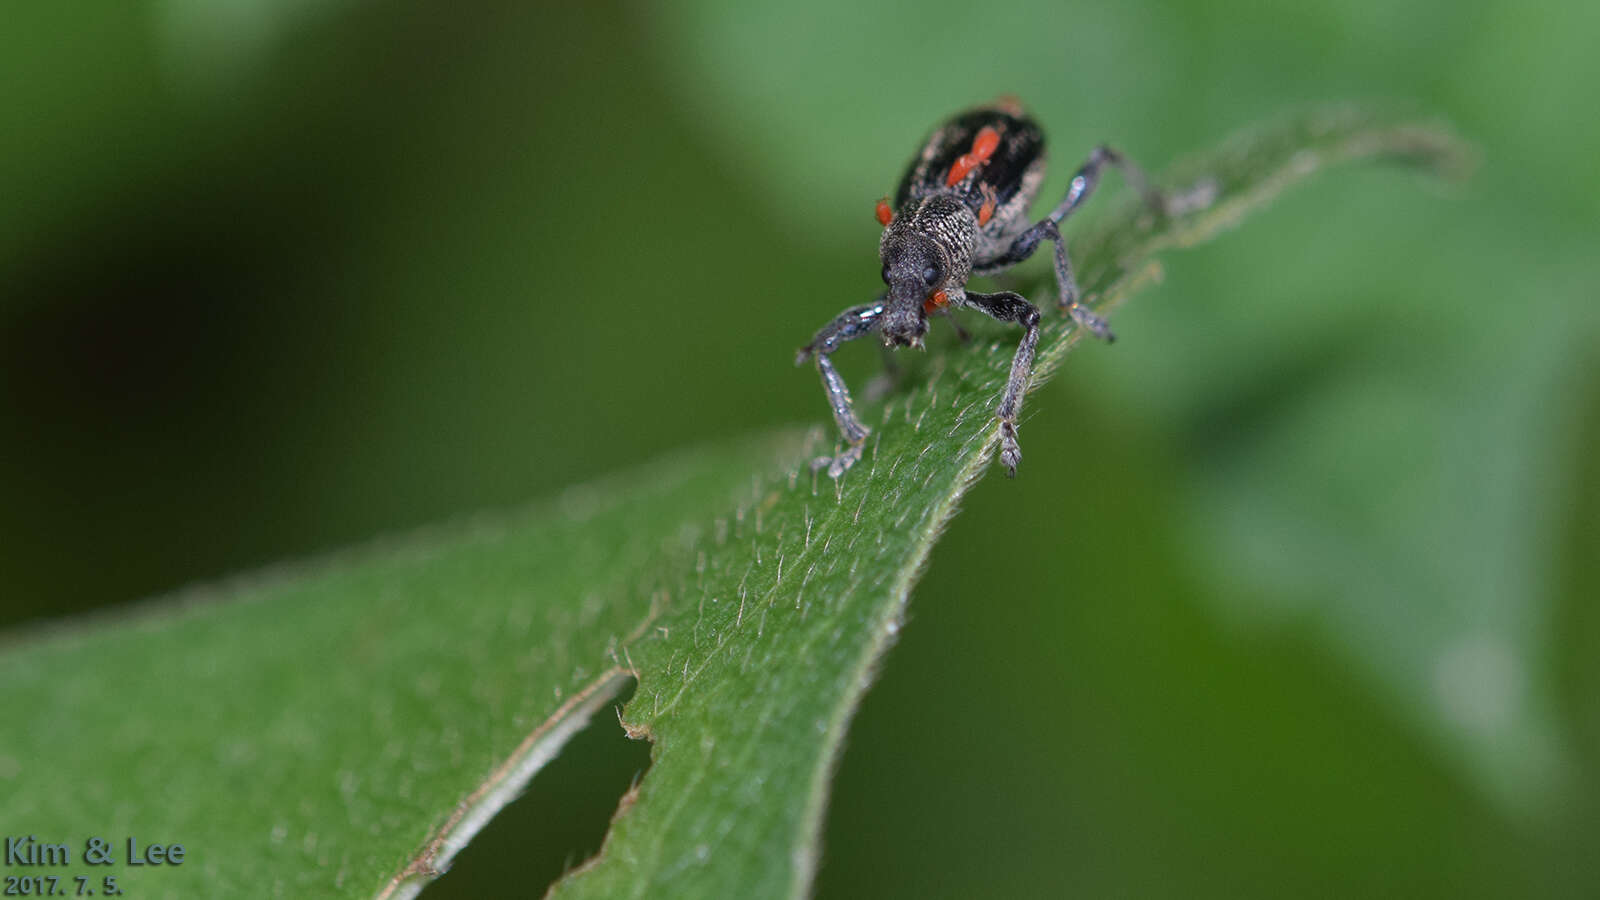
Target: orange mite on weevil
x=986, y=211
x=984, y=144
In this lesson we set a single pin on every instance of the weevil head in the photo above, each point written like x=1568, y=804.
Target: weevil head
x=925, y=250
x=913, y=268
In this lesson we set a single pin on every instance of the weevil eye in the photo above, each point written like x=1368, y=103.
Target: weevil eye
x=885, y=274
x=930, y=276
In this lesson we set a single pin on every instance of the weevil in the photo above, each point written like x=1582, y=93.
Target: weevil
x=961, y=210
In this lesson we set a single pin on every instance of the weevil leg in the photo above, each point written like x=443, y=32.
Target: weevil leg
x=1067, y=299
x=1009, y=306
x=849, y=325
x=1082, y=185
x=1087, y=179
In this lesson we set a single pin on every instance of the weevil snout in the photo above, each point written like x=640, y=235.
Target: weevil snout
x=908, y=335
x=904, y=322
x=914, y=268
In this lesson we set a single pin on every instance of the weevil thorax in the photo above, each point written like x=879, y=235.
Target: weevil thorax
x=926, y=250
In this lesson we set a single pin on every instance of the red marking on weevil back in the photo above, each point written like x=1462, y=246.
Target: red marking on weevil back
x=984, y=144
x=939, y=300
x=885, y=214
x=986, y=211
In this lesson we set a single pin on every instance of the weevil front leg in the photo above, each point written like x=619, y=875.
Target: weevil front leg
x=1082, y=185
x=1009, y=306
x=850, y=324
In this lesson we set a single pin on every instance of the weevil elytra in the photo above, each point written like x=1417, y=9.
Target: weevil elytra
x=962, y=209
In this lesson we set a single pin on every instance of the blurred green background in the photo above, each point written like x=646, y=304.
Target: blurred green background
x=1295, y=595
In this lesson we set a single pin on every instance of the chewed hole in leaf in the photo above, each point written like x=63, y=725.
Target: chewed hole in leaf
x=559, y=822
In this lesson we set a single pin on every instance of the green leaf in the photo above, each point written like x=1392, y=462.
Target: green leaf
x=343, y=727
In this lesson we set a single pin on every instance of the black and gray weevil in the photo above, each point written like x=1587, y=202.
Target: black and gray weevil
x=961, y=210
